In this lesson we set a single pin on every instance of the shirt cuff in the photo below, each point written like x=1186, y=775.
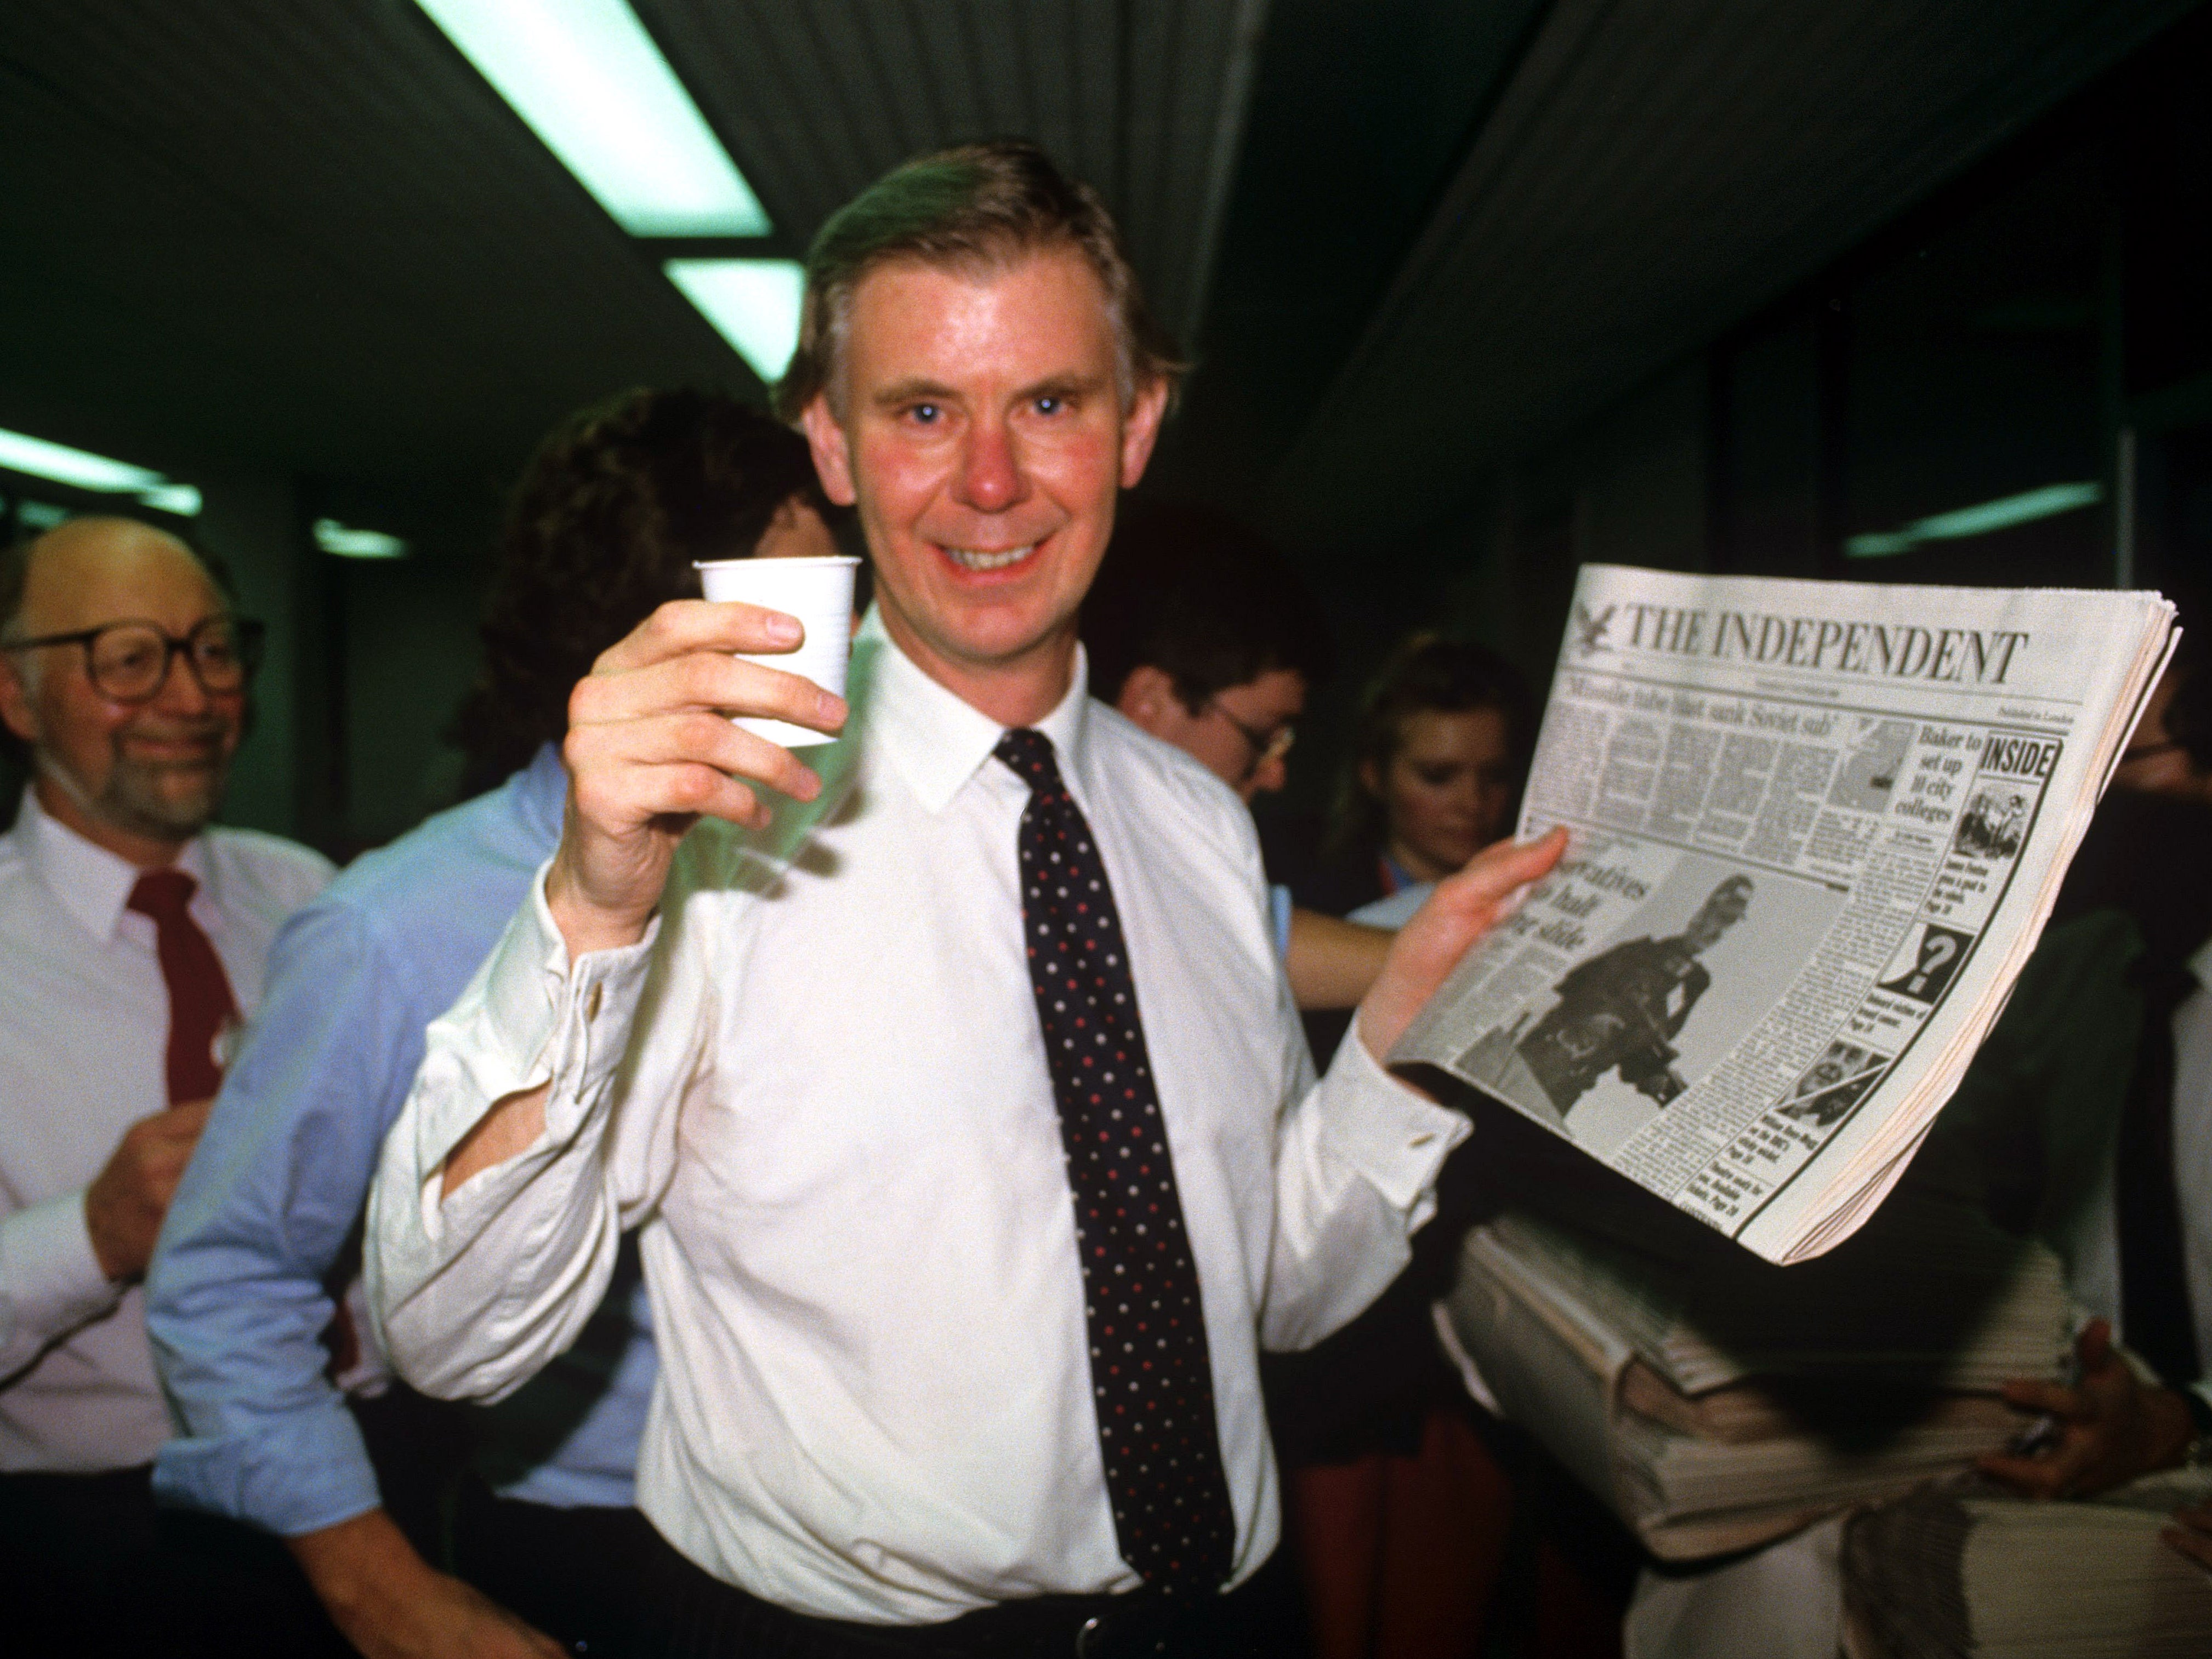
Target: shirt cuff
x=49, y=1270
x=537, y=1019
x=559, y=1019
x=1396, y=1139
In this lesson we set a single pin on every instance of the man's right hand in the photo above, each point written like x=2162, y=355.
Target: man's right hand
x=391, y=1604
x=125, y=1205
x=651, y=749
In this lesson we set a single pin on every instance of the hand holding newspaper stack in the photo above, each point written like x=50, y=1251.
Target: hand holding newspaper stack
x=1714, y=1403
x=1817, y=827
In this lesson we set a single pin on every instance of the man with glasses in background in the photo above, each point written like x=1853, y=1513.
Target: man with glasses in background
x=135, y=936
x=1202, y=634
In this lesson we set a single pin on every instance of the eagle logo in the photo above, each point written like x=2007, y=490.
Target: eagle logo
x=1590, y=631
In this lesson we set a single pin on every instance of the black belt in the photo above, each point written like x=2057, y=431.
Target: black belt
x=702, y=1618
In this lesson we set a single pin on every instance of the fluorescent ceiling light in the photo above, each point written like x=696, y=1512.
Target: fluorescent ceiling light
x=752, y=303
x=2000, y=514
x=183, y=500
x=72, y=466
x=2011, y=510
x=40, y=516
x=1879, y=546
x=84, y=470
x=588, y=80
x=350, y=544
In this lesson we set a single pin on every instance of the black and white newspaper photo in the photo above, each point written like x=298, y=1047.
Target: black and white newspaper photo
x=1816, y=828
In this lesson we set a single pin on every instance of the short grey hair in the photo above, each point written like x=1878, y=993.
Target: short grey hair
x=974, y=207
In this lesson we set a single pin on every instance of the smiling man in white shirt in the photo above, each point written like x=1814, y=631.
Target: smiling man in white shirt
x=954, y=1082
x=135, y=937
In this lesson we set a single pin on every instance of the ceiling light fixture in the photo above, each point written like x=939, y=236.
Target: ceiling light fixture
x=58, y=464
x=588, y=80
x=183, y=500
x=2000, y=514
x=752, y=303
x=350, y=544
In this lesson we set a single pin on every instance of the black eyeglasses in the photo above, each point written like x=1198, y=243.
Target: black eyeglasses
x=1265, y=745
x=129, y=661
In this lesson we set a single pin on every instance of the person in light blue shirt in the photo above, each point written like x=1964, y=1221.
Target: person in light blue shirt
x=603, y=528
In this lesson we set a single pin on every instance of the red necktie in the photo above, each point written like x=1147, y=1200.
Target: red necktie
x=200, y=1002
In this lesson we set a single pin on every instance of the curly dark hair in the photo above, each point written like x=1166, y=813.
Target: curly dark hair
x=601, y=530
x=1426, y=672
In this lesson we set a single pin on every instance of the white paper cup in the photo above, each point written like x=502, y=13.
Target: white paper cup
x=819, y=592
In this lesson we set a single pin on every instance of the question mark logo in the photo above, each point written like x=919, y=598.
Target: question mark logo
x=1936, y=957
x=1937, y=950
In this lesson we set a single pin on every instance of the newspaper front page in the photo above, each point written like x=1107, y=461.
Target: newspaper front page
x=1814, y=830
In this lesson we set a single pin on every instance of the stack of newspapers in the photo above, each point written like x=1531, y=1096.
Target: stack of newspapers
x=1815, y=828
x=1714, y=1402
x=1962, y=1569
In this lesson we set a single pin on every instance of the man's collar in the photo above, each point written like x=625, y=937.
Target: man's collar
x=86, y=880
x=936, y=741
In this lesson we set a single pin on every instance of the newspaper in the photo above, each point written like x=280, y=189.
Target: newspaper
x=1815, y=831
x=1715, y=1409
x=1964, y=1568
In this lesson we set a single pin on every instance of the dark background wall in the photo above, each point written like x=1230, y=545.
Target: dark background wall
x=2039, y=320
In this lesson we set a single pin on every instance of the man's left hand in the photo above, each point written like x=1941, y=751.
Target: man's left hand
x=1462, y=910
x=2112, y=1426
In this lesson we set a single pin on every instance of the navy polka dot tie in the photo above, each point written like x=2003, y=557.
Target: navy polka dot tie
x=1151, y=1379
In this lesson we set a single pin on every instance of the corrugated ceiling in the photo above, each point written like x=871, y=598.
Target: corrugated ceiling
x=1144, y=98
x=1654, y=172
x=310, y=238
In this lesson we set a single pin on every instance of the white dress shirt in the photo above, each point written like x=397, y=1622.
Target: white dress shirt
x=84, y=1032
x=820, y=1085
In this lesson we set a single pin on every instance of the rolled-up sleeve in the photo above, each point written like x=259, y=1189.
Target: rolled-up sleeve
x=475, y=1291
x=1356, y=1168
x=236, y=1304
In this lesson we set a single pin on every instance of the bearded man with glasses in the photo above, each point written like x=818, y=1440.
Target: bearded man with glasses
x=135, y=937
x=164, y=768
